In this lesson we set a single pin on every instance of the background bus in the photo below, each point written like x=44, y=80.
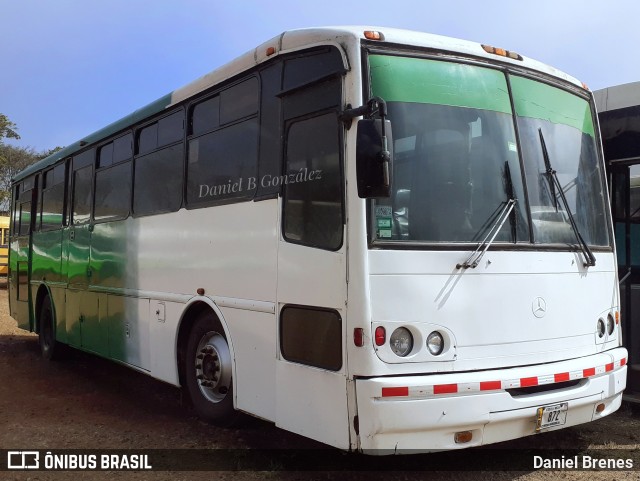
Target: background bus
x=385, y=241
x=4, y=245
x=619, y=114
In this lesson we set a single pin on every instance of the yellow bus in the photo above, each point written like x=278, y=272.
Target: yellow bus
x=4, y=245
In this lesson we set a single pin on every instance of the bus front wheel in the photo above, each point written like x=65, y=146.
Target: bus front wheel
x=207, y=369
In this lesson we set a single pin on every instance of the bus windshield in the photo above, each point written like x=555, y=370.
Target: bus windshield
x=458, y=160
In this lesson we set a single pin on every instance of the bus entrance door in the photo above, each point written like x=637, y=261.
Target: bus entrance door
x=25, y=198
x=82, y=307
x=85, y=327
x=311, y=366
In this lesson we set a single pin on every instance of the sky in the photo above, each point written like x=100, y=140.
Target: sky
x=70, y=67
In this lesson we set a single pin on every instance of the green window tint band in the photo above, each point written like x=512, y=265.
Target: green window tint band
x=403, y=79
x=541, y=101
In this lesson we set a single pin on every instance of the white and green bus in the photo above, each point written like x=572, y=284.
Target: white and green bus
x=382, y=240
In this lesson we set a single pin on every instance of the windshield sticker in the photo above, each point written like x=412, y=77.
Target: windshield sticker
x=541, y=101
x=383, y=211
x=384, y=221
x=405, y=79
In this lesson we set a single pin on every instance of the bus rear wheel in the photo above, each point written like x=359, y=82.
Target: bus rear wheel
x=207, y=369
x=50, y=349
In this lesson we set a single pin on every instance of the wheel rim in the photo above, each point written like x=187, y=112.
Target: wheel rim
x=213, y=367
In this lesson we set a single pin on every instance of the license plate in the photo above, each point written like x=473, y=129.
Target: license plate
x=551, y=416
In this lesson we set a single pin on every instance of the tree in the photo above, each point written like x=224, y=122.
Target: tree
x=14, y=159
x=7, y=129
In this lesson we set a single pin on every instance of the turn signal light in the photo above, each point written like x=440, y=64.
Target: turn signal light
x=600, y=407
x=463, y=437
x=380, y=336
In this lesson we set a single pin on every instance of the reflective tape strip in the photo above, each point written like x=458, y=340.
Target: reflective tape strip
x=495, y=385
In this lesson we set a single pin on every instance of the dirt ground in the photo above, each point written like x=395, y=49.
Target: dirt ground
x=86, y=402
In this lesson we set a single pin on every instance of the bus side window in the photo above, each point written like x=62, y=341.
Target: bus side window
x=15, y=221
x=25, y=199
x=82, y=187
x=52, y=206
x=223, y=146
x=313, y=186
x=312, y=181
x=113, y=180
x=159, y=166
x=299, y=324
x=25, y=218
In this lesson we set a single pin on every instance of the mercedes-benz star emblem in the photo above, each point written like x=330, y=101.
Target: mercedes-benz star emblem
x=539, y=307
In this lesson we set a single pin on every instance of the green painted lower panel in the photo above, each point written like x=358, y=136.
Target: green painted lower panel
x=72, y=318
x=109, y=254
x=47, y=256
x=94, y=328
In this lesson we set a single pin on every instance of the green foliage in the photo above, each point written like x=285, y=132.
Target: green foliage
x=7, y=129
x=13, y=159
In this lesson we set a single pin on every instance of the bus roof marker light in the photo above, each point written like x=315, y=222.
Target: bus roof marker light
x=270, y=51
x=200, y=291
x=373, y=35
x=502, y=52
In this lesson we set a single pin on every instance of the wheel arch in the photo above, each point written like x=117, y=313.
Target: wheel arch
x=195, y=308
x=43, y=292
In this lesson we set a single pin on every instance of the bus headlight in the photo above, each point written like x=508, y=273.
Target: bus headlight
x=401, y=342
x=610, y=324
x=435, y=343
x=601, y=328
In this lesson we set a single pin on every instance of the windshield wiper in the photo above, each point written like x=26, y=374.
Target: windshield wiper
x=474, y=259
x=507, y=213
x=590, y=259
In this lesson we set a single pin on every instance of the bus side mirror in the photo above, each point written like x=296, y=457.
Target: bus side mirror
x=374, y=158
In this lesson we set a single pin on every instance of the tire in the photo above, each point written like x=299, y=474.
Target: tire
x=207, y=371
x=50, y=349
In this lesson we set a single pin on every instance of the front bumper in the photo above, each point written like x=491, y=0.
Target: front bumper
x=422, y=413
